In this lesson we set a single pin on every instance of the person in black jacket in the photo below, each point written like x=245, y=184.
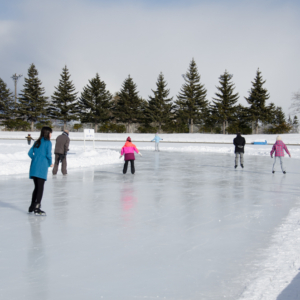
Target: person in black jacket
x=239, y=143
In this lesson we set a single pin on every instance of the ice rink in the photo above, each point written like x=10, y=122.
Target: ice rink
x=186, y=226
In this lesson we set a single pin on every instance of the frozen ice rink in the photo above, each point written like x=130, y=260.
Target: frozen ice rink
x=186, y=226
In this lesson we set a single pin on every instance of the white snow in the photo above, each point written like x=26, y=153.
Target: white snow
x=281, y=264
x=15, y=160
x=177, y=138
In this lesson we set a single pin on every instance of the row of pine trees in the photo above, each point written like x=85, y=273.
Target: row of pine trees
x=97, y=106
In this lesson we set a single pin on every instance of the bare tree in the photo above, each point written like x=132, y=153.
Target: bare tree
x=295, y=107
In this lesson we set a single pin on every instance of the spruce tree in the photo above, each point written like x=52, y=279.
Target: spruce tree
x=159, y=108
x=64, y=106
x=95, y=102
x=224, y=103
x=128, y=107
x=295, y=124
x=257, y=98
x=32, y=104
x=6, y=102
x=191, y=98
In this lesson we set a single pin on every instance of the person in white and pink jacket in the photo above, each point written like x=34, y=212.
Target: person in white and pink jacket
x=279, y=147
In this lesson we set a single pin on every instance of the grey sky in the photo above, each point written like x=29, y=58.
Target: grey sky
x=142, y=39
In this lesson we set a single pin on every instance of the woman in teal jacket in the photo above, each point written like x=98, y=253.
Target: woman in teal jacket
x=41, y=159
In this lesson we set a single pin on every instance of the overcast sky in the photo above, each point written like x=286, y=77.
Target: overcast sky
x=144, y=38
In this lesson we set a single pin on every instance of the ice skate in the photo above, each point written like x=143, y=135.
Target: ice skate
x=284, y=172
x=242, y=166
x=39, y=212
x=31, y=208
x=273, y=172
x=235, y=166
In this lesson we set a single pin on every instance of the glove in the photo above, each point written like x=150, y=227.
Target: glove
x=120, y=156
x=140, y=154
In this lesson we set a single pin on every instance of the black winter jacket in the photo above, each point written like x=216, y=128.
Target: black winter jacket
x=239, y=143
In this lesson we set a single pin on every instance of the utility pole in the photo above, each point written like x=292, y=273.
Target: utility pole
x=15, y=78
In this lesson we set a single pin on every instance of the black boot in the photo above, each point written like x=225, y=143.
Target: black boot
x=235, y=166
x=242, y=166
x=284, y=172
x=273, y=172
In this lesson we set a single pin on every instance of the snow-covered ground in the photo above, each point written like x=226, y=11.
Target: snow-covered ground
x=174, y=138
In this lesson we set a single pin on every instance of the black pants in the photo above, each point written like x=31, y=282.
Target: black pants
x=126, y=165
x=37, y=194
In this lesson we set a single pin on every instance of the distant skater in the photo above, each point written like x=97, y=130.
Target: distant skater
x=278, y=148
x=41, y=159
x=239, y=143
x=29, y=138
x=128, y=151
x=60, y=151
x=157, y=139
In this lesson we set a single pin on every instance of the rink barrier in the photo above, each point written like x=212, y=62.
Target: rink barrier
x=164, y=142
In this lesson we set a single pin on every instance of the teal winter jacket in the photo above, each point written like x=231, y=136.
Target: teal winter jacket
x=41, y=159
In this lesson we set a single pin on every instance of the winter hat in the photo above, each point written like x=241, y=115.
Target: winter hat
x=278, y=138
x=128, y=139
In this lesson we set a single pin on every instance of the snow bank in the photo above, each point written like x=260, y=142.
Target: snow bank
x=14, y=158
x=174, y=138
x=281, y=265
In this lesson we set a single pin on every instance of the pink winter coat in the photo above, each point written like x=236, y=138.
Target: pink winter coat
x=278, y=148
x=129, y=149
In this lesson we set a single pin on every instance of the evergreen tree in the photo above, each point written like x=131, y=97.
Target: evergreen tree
x=64, y=106
x=295, y=124
x=159, y=109
x=191, y=98
x=280, y=125
x=6, y=102
x=258, y=96
x=95, y=102
x=32, y=104
x=128, y=107
x=224, y=103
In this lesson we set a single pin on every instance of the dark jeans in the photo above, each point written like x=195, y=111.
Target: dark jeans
x=63, y=164
x=29, y=142
x=126, y=166
x=37, y=194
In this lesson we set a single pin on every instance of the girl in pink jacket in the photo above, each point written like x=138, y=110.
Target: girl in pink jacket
x=128, y=151
x=279, y=147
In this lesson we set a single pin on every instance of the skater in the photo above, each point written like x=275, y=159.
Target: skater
x=278, y=148
x=239, y=143
x=128, y=149
x=60, y=151
x=157, y=139
x=29, y=138
x=41, y=159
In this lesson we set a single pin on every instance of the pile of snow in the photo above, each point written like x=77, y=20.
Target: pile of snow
x=174, y=138
x=15, y=160
x=281, y=265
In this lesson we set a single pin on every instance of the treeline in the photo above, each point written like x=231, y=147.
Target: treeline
x=191, y=111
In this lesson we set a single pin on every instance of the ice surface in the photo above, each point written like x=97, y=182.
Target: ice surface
x=186, y=226
x=14, y=158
